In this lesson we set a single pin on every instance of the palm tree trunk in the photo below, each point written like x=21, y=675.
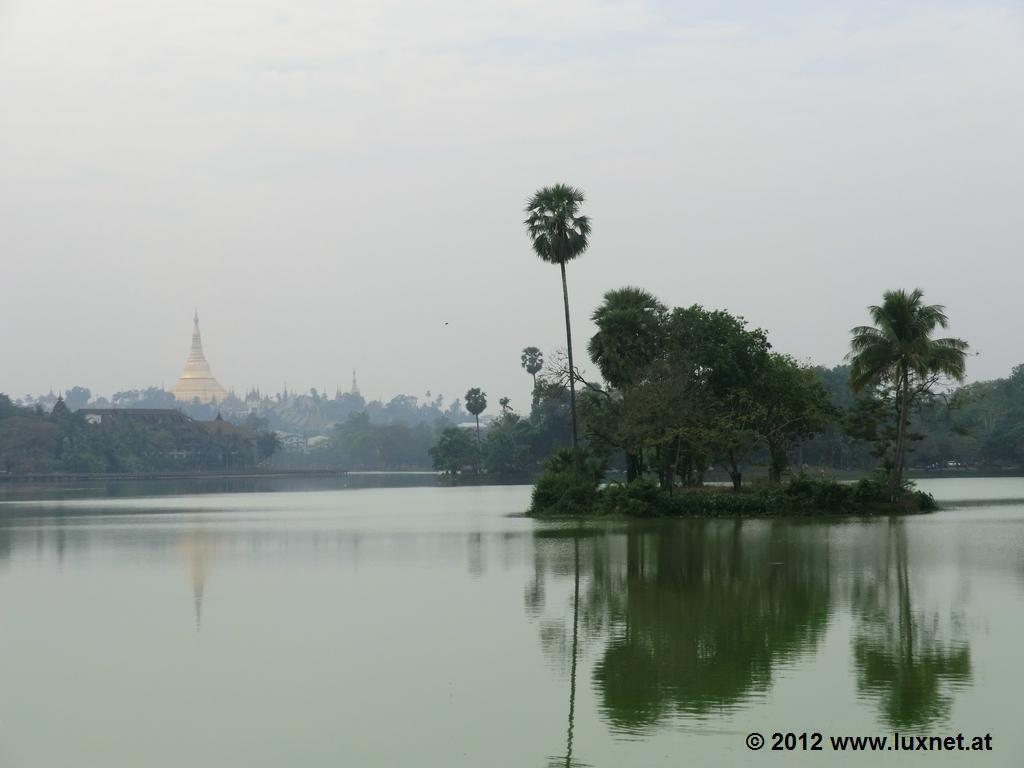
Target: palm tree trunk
x=734, y=471
x=896, y=477
x=477, y=417
x=632, y=466
x=572, y=370
x=776, y=463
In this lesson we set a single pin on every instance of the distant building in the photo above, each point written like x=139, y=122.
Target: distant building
x=292, y=443
x=189, y=435
x=197, y=382
x=223, y=428
x=164, y=417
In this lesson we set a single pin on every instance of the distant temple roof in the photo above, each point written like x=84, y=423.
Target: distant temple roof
x=197, y=382
x=135, y=414
x=220, y=427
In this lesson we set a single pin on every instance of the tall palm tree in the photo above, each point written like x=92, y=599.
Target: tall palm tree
x=532, y=360
x=898, y=352
x=559, y=233
x=476, y=403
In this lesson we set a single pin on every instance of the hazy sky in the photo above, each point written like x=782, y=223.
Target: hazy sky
x=331, y=182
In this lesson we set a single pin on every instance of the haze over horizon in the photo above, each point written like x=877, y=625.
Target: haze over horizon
x=339, y=186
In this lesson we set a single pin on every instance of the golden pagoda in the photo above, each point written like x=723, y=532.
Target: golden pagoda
x=196, y=380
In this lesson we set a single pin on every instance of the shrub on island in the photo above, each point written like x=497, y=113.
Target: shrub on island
x=565, y=490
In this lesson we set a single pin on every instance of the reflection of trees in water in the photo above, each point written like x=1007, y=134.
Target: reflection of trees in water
x=709, y=612
x=694, y=616
x=901, y=653
x=697, y=613
x=476, y=561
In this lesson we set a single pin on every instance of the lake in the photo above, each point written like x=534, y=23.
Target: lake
x=435, y=627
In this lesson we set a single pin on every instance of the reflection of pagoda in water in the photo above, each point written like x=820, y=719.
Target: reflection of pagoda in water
x=197, y=549
x=197, y=382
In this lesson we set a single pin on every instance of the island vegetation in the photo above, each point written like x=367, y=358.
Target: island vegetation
x=684, y=388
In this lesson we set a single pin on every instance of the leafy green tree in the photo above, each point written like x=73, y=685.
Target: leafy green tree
x=7, y=408
x=793, y=406
x=532, y=360
x=559, y=233
x=549, y=418
x=29, y=443
x=454, y=451
x=267, y=444
x=726, y=360
x=77, y=397
x=508, y=448
x=899, y=355
x=630, y=336
x=361, y=444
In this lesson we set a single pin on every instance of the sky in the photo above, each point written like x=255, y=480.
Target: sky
x=340, y=184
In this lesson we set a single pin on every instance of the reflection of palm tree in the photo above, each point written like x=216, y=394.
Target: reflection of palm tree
x=568, y=760
x=899, y=655
x=575, y=648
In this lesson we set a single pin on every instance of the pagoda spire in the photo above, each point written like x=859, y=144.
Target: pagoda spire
x=196, y=379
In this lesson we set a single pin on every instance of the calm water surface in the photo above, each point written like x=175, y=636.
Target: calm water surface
x=428, y=627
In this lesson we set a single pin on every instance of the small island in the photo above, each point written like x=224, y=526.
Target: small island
x=687, y=388
x=566, y=492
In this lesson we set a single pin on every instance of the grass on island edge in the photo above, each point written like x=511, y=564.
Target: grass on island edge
x=568, y=490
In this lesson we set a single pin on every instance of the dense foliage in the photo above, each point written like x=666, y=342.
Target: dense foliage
x=512, y=445
x=690, y=388
x=566, y=492
x=34, y=442
x=687, y=389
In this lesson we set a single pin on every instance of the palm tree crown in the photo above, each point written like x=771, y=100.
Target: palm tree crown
x=899, y=344
x=532, y=360
x=898, y=351
x=557, y=230
x=630, y=331
x=476, y=401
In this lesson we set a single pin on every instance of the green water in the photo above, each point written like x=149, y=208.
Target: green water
x=429, y=627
